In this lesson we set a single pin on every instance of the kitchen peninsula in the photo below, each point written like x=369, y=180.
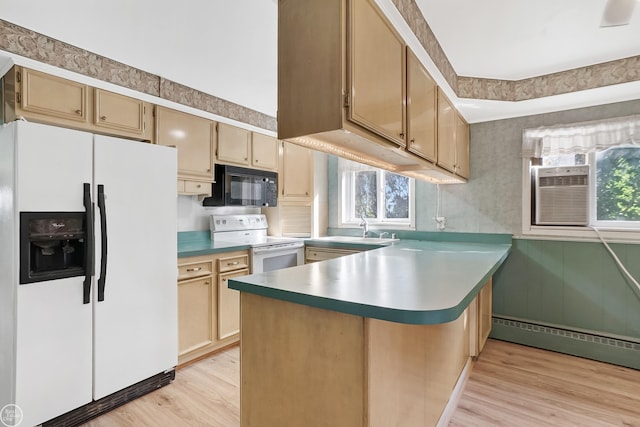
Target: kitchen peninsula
x=374, y=338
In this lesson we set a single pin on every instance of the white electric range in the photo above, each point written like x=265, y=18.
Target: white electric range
x=267, y=253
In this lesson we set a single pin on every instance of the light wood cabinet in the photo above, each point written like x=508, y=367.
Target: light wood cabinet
x=355, y=92
x=264, y=152
x=421, y=110
x=45, y=98
x=453, y=138
x=120, y=113
x=208, y=311
x=480, y=316
x=241, y=147
x=194, y=138
x=234, y=145
x=228, y=305
x=377, y=73
x=296, y=173
x=462, y=147
x=317, y=253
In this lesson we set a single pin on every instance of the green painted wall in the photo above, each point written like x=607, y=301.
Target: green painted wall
x=572, y=284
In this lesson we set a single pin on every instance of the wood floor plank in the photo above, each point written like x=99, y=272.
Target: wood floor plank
x=510, y=385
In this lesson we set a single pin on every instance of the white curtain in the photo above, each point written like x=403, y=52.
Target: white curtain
x=581, y=138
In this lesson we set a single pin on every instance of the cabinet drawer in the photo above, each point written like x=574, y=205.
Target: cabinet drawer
x=197, y=269
x=321, y=254
x=195, y=187
x=233, y=263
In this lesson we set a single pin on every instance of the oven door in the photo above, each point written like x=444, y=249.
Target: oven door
x=275, y=257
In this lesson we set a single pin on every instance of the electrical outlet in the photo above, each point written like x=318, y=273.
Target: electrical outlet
x=442, y=222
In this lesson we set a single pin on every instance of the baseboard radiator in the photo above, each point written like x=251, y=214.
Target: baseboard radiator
x=98, y=407
x=618, y=350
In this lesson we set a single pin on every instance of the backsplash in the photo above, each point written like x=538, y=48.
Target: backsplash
x=192, y=216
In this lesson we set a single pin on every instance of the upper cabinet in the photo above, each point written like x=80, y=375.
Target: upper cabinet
x=264, y=152
x=421, y=110
x=377, y=92
x=119, y=113
x=53, y=100
x=348, y=86
x=237, y=146
x=453, y=138
x=194, y=138
x=234, y=145
x=296, y=173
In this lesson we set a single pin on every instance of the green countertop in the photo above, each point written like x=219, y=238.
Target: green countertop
x=196, y=243
x=410, y=281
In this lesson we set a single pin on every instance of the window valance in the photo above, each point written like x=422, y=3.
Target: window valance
x=581, y=138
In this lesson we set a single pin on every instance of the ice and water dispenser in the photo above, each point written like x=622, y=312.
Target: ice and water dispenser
x=53, y=245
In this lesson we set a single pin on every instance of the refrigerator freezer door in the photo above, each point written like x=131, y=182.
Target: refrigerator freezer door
x=53, y=324
x=135, y=327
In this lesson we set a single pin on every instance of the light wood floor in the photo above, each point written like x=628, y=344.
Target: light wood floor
x=510, y=385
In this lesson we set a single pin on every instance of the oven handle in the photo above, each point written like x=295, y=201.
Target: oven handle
x=278, y=248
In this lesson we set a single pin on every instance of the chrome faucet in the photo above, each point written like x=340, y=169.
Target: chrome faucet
x=382, y=234
x=365, y=224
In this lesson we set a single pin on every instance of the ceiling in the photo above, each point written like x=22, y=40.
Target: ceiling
x=228, y=48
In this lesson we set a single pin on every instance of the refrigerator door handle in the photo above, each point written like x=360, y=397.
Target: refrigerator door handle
x=88, y=248
x=103, y=234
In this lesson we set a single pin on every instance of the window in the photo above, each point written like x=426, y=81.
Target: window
x=382, y=197
x=613, y=156
x=614, y=184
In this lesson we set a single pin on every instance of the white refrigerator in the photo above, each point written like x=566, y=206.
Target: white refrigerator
x=65, y=343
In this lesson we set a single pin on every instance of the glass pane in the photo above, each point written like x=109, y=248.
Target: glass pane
x=366, y=194
x=618, y=184
x=396, y=192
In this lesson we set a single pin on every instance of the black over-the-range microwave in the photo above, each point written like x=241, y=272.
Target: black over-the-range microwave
x=238, y=186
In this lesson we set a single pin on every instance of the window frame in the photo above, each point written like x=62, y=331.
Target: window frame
x=612, y=230
x=346, y=183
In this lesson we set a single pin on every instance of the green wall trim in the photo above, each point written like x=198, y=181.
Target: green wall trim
x=616, y=353
x=428, y=235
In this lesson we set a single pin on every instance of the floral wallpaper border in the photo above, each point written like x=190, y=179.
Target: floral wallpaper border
x=27, y=43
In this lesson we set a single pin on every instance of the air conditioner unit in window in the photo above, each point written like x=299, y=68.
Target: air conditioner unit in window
x=562, y=195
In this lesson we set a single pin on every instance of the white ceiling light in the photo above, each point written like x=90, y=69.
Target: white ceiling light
x=617, y=12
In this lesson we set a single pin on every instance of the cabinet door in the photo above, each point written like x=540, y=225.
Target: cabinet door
x=119, y=112
x=485, y=312
x=446, y=133
x=193, y=136
x=233, y=145
x=296, y=173
x=462, y=147
x=228, y=305
x=421, y=109
x=264, y=152
x=53, y=96
x=195, y=308
x=377, y=73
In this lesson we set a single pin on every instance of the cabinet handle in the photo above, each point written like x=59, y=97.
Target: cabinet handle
x=306, y=193
x=207, y=283
x=255, y=160
x=79, y=112
x=401, y=134
x=103, y=118
x=413, y=140
x=224, y=280
x=198, y=186
x=194, y=269
x=245, y=158
x=209, y=170
x=233, y=263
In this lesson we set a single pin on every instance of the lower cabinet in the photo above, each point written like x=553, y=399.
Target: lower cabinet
x=317, y=253
x=480, y=311
x=208, y=311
